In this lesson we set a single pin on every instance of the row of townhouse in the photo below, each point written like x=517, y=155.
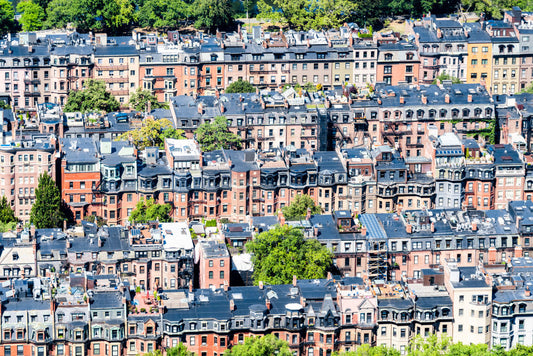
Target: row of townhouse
x=87, y=313
x=39, y=68
x=386, y=153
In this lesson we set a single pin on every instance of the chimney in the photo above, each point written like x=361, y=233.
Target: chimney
x=217, y=94
x=200, y=108
x=518, y=251
x=492, y=255
x=268, y=304
x=527, y=292
x=30, y=49
x=402, y=100
x=447, y=99
x=69, y=244
x=261, y=285
x=308, y=214
x=226, y=287
x=408, y=228
x=351, y=40
x=424, y=99
x=100, y=242
x=32, y=231
x=222, y=108
x=474, y=226
x=232, y=305
x=294, y=280
x=432, y=227
x=329, y=276
x=308, y=43
x=14, y=132
x=379, y=101
x=518, y=219
x=469, y=98
x=65, y=225
x=363, y=231
x=190, y=287
x=281, y=217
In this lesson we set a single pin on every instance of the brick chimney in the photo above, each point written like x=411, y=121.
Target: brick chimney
x=527, y=292
x=363, y=231
x=268, y=304
x=232, y=305
x=408, y=228
x=402, y=100
x=432, y=227
x=474, y=226
x=190, y=287
x=469, y=98
x=447, y=99
x=281, y=217
x=261, y=285
x=200, y=108
x=32, y=231
x=424, y=99
x=329, y=276
x=294, y=281
x=308, y=214
x=518, y=251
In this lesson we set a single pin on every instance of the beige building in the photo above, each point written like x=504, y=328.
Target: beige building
x=472, y=299
x=117, y=64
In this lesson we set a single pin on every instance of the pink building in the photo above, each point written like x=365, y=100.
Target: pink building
x=214, y=264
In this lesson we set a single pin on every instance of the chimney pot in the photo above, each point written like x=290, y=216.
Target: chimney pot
x=294, y=281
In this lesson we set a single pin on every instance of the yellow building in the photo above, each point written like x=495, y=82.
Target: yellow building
x=479, y=58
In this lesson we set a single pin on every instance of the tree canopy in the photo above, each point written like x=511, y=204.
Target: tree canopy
x=149, y=210
x=8, y=220
x=216, y=135
x=298, y=207
x=32, y=15
x=260, y=346
x=152, y=133
x=46, y=212
x=179, y=350
x=7, y=17
x=282, y=252
x=163, y=13
x=240, y=86
x=93, y=97
x=141, y=97
x=213, y=14
x=308, y=14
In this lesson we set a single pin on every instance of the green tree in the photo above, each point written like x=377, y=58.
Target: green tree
x=46, y=212
x=216, y=135
x=213, y=14
x=445, y=76
x=149, y=210
x=32, y=15
x=152, y=133
x=59, y=14
x=163, y=13
x=7, y=17
x=7, y=215
x=367, y=350
x=240, y=86
x=179, y=350
x=140, y=98
x=308, y=14
x=267, y=345
x=429, y=346
x=298, y=207
x=3, y=104
x=282, y=252
x=93, y=97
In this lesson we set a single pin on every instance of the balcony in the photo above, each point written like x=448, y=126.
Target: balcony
x=31, y=93
x=32, y=81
